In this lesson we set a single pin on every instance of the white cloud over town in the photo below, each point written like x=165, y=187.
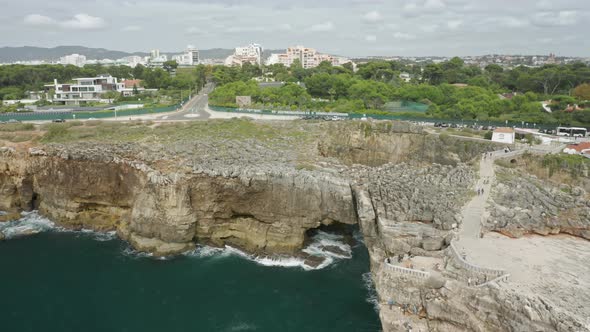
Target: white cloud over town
x=347, y=27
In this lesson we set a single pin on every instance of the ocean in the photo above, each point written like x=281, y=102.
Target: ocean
x=59, y=280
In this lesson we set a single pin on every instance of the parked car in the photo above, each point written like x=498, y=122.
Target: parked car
x=13, y=121
x=59, y=120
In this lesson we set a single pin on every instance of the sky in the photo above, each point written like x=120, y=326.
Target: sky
x=343, y=27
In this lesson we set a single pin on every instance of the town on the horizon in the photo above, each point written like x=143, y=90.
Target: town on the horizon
x=309, y=57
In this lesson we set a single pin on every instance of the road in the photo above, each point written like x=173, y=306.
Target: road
x=194, y=109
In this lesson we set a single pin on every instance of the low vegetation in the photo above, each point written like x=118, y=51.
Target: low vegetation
x=556, y=168
x=235, y=129
x=9, y=127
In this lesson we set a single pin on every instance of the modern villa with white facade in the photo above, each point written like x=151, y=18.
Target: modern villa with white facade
x=89, y=89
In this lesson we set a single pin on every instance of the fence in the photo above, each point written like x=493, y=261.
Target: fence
x=474, y=268
x=402, y=117
x=71, y=115
x=406, y=271
x=504, y=277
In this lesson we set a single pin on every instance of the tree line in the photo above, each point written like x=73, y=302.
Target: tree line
x=368, y=88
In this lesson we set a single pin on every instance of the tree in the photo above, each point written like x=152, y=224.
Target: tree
x=433, y=74
x=138, y=72
x=170, y=66
x=135, y=91
x=372, y=94
x=582, y=92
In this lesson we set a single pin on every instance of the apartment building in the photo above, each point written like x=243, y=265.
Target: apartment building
x=73, y=59
x=189, y=58
x=308, y=57
x=251, y=53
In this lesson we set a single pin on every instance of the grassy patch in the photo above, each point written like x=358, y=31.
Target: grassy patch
x=16, y=137
x=504, y=163
x=234, y=129
x=17, y=127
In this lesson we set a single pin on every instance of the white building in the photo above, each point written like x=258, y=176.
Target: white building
x=154, y=54
x=189, y=58
x=73, y=59
x=131, y=61
x=308, y=57
x=251, y=53
x=504, y=135
x=89, y=89
x=405, y=77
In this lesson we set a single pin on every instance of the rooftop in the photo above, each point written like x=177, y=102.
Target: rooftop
x=504, y=130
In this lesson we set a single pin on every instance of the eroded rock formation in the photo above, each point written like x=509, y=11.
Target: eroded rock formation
x=523, y=204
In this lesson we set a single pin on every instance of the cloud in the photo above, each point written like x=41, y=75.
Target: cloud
x=285, y=27
x=434, y=5
x=454, y=24
x=322, y=27
x=84, y=22
x=371, y=38
x=132, y=28
x=234, y=29
x=430, y=28
x=36, y=19
x=504, y=21
x=373, y=17
x=79, y=21
x=403, y=36
x=553, y=19
x=417, y=8
x=194, y=31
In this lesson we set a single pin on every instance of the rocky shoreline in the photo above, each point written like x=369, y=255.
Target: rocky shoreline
x=403, y=187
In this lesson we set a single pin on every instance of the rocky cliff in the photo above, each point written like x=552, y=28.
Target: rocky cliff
x=524, y=204
x=259, y=211
x=251, y=189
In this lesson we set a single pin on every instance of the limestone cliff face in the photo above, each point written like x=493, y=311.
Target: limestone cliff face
x=537, y=207
x=166, y=213
x=376, y=144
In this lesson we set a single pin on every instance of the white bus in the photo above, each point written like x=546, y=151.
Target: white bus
x=572, y=132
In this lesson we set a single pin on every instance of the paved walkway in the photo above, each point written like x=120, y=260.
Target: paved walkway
x=474, y=210
x=552, y=267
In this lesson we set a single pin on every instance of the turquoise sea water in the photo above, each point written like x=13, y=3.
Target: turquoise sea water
x=64, y=281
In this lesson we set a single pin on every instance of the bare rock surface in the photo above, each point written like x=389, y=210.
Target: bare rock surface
x=522, y=204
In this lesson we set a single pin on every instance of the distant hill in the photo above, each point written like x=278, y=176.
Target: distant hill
x=28, y=53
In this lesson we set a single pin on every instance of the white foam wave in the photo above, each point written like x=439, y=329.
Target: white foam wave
x=30, y=223
x=316, y=248
x=329, y=246
x=372, y=297
x=130, y=252
x=242, y=327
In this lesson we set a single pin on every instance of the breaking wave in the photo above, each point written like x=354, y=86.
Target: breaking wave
x=325, y=249
x=372, y=297
x=32, y=223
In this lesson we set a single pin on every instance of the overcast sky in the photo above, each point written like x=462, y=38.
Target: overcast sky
x=344, y=27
